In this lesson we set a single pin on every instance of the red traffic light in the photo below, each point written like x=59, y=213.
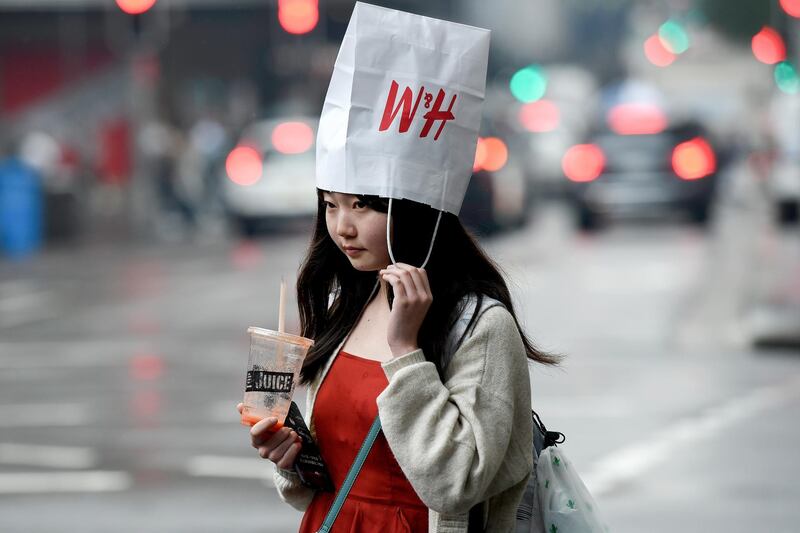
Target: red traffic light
x=135, y=7
x=657, y=53
x=792, y=7
x=298, y=16
x=540, y=116
x=583, y=163
x=768, y=46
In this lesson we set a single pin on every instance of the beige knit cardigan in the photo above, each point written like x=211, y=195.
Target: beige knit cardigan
x=462, y=439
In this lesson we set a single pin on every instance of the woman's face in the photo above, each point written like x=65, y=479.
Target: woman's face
x=358, y=231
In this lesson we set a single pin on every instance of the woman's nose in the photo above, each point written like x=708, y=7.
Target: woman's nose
x=345, y=227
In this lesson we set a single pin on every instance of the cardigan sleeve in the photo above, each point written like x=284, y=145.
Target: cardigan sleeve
x=454, y=440
x=287, y=482
x=291, y=491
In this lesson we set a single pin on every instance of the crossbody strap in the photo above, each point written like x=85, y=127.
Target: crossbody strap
x=352, y=474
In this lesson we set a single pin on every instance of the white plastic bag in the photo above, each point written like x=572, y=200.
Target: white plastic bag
x=566, y=504
x=403, y=109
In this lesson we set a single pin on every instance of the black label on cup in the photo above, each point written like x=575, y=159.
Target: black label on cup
x=263, y=381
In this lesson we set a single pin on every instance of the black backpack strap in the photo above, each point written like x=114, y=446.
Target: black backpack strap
x=475, y=524
x=541, y=437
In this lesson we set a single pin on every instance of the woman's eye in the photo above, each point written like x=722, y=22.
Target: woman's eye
x=360, y=204
x=328, y=205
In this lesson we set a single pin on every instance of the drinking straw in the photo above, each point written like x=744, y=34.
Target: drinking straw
x=282, y=308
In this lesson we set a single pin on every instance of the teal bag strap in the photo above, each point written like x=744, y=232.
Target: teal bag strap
x=352, y=474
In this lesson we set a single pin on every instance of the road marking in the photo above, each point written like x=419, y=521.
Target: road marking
x=633, y=460
x=44, y=415
x=44, y=482
x=22, y=302
x=576, y=407
x=223, y=412
x=47, y=456
x=646, y=277
x=234, y=467
x=65, y=354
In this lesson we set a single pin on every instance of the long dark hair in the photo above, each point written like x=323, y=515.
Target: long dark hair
x=457, y=267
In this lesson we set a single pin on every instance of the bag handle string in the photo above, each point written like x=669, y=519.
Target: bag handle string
x=389, y=240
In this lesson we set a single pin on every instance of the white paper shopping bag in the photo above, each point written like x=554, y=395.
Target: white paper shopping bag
x=403, y=109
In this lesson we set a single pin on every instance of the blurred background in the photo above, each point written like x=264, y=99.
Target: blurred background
x=637, y=177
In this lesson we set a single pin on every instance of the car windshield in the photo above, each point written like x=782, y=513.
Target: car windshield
x=288, y=164
x=635, y=152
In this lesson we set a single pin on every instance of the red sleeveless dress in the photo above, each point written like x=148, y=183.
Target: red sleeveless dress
x=381, y=500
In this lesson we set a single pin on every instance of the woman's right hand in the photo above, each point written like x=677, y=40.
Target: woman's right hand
x=281, y=447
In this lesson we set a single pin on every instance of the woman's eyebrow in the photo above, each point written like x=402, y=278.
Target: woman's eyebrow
x=340, y=197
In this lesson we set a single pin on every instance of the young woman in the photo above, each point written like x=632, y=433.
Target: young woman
x=454, y=436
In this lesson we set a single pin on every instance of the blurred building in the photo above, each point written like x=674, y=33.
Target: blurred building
x=118, y=94
x=92, y=78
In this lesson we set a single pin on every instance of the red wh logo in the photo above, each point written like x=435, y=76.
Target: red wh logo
x=408, y=110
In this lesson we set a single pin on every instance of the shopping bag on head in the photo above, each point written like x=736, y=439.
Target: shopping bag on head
x=403, y=109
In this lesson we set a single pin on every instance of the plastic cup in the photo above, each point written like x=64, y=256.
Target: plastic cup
x=273, y=371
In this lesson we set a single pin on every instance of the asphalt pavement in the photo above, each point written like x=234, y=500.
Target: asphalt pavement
x=120, y=368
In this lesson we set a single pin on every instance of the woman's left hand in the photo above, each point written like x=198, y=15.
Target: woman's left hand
x=412, y=299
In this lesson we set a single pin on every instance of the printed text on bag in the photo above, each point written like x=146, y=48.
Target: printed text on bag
x=408, y=113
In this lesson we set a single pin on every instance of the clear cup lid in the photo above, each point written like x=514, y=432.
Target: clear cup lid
x=278, y=336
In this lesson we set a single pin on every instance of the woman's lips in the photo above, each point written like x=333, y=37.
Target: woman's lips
x=353, y=251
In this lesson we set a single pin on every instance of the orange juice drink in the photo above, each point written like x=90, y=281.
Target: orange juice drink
x=249, y=419
x=272, y=374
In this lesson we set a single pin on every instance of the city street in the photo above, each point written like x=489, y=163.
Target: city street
x=633, y=168
x=120, y=368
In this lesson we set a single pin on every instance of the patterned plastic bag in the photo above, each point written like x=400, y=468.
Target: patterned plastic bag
x=566, y=505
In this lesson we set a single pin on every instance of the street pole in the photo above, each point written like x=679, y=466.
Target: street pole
x=139, y=38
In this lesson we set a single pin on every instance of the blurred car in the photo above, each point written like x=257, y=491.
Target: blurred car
x=783, y=182
x=637, y=164
x=774, y=324
x=271, y=171
x=784, y=188
x=270, y=174
x=498, y=196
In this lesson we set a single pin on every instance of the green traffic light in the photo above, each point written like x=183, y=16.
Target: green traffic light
x=674, y=37
x=528, y=84
x=786, y=78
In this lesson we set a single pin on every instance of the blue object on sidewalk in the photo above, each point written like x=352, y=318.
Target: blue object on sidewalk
x=20, y=209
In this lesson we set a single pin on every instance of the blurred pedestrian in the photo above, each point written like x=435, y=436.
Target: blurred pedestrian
x=210, y=143
x=455, y=449
x=173, y=168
